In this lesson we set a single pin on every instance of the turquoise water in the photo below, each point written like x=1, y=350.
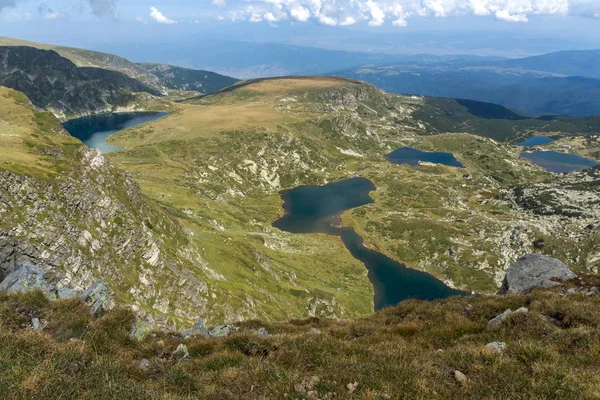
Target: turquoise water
x=554, y=161
x=410, y=156
x=315, y=209
x=536, y=140
x=95, y=130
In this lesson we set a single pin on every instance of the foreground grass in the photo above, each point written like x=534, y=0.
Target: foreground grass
x=408, y=351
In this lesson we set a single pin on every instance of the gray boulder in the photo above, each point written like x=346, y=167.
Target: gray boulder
x=220, y=331
x=25, y=277
x=66, y=293
x=496, y=347
x=139, y=331
x=198, y=329
x=181, y=352
x=261, y=332
x=532, y=271
x=98, y=297
x=497, y=320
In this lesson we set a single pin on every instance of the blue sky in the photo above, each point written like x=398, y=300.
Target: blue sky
x=319, y=23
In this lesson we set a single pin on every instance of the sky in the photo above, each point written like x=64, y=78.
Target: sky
x=514, y=27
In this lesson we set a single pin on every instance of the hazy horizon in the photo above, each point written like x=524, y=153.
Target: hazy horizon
x=476, y=27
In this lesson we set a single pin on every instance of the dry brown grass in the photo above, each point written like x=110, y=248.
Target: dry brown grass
x=407, y=351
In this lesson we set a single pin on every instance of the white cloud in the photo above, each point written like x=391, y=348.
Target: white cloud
x=325, y=20
x=299, y=13
x=347, y=21
x=377, y=13
x=505, y=15
x=160, y=17
x=219, y=3
x=141, y=20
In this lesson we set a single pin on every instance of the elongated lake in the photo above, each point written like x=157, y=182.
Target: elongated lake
x=535, y=141
x=95, y=130
x=316, y=209
x=554, y=161
x=410, y=156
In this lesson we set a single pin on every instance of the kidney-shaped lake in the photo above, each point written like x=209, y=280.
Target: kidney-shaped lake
x=311, y=209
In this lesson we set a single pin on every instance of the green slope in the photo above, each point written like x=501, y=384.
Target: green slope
x=184, y=79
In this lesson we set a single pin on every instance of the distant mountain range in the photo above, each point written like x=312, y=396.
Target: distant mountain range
x=258, y=60
x=566, y=82
x=557, y=83
x=72, y=82
x=543, y=84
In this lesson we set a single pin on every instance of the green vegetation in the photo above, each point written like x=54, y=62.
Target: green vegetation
x=213, y=169
x=219, y=162
x=187, y=80
x=451, y=115
x=411, y=350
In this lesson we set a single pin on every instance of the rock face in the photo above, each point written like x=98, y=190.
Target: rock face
x=27, y=276
x=98, y=297
x=7, y=257
x=54, y=83
x=199, y=329
x=532, y=271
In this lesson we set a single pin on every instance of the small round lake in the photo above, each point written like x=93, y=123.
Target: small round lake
x=316, y=209
x=554, y=161
x=95, y=130
x=410, y=156
x=535, y=141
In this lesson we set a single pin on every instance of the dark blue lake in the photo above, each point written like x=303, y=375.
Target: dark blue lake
x=554, y=161
x=535, y=141
x=95, y=130
x=410, y=156
x=316, y=209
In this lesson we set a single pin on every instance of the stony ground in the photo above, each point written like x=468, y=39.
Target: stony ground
x=548, y=347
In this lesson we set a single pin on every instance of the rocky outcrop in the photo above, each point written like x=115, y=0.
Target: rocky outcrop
x=199, y=329
x=26, y=277
x=56, y=84
x=532, y=271
x=7, y=256
x=98, y=297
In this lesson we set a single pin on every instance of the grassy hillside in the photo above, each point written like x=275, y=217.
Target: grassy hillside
x=185, y=79
x=89, y=58
x=218, y=164
x=69, y=210
x=413, y=350
x=497, y=122
x=159, y=77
